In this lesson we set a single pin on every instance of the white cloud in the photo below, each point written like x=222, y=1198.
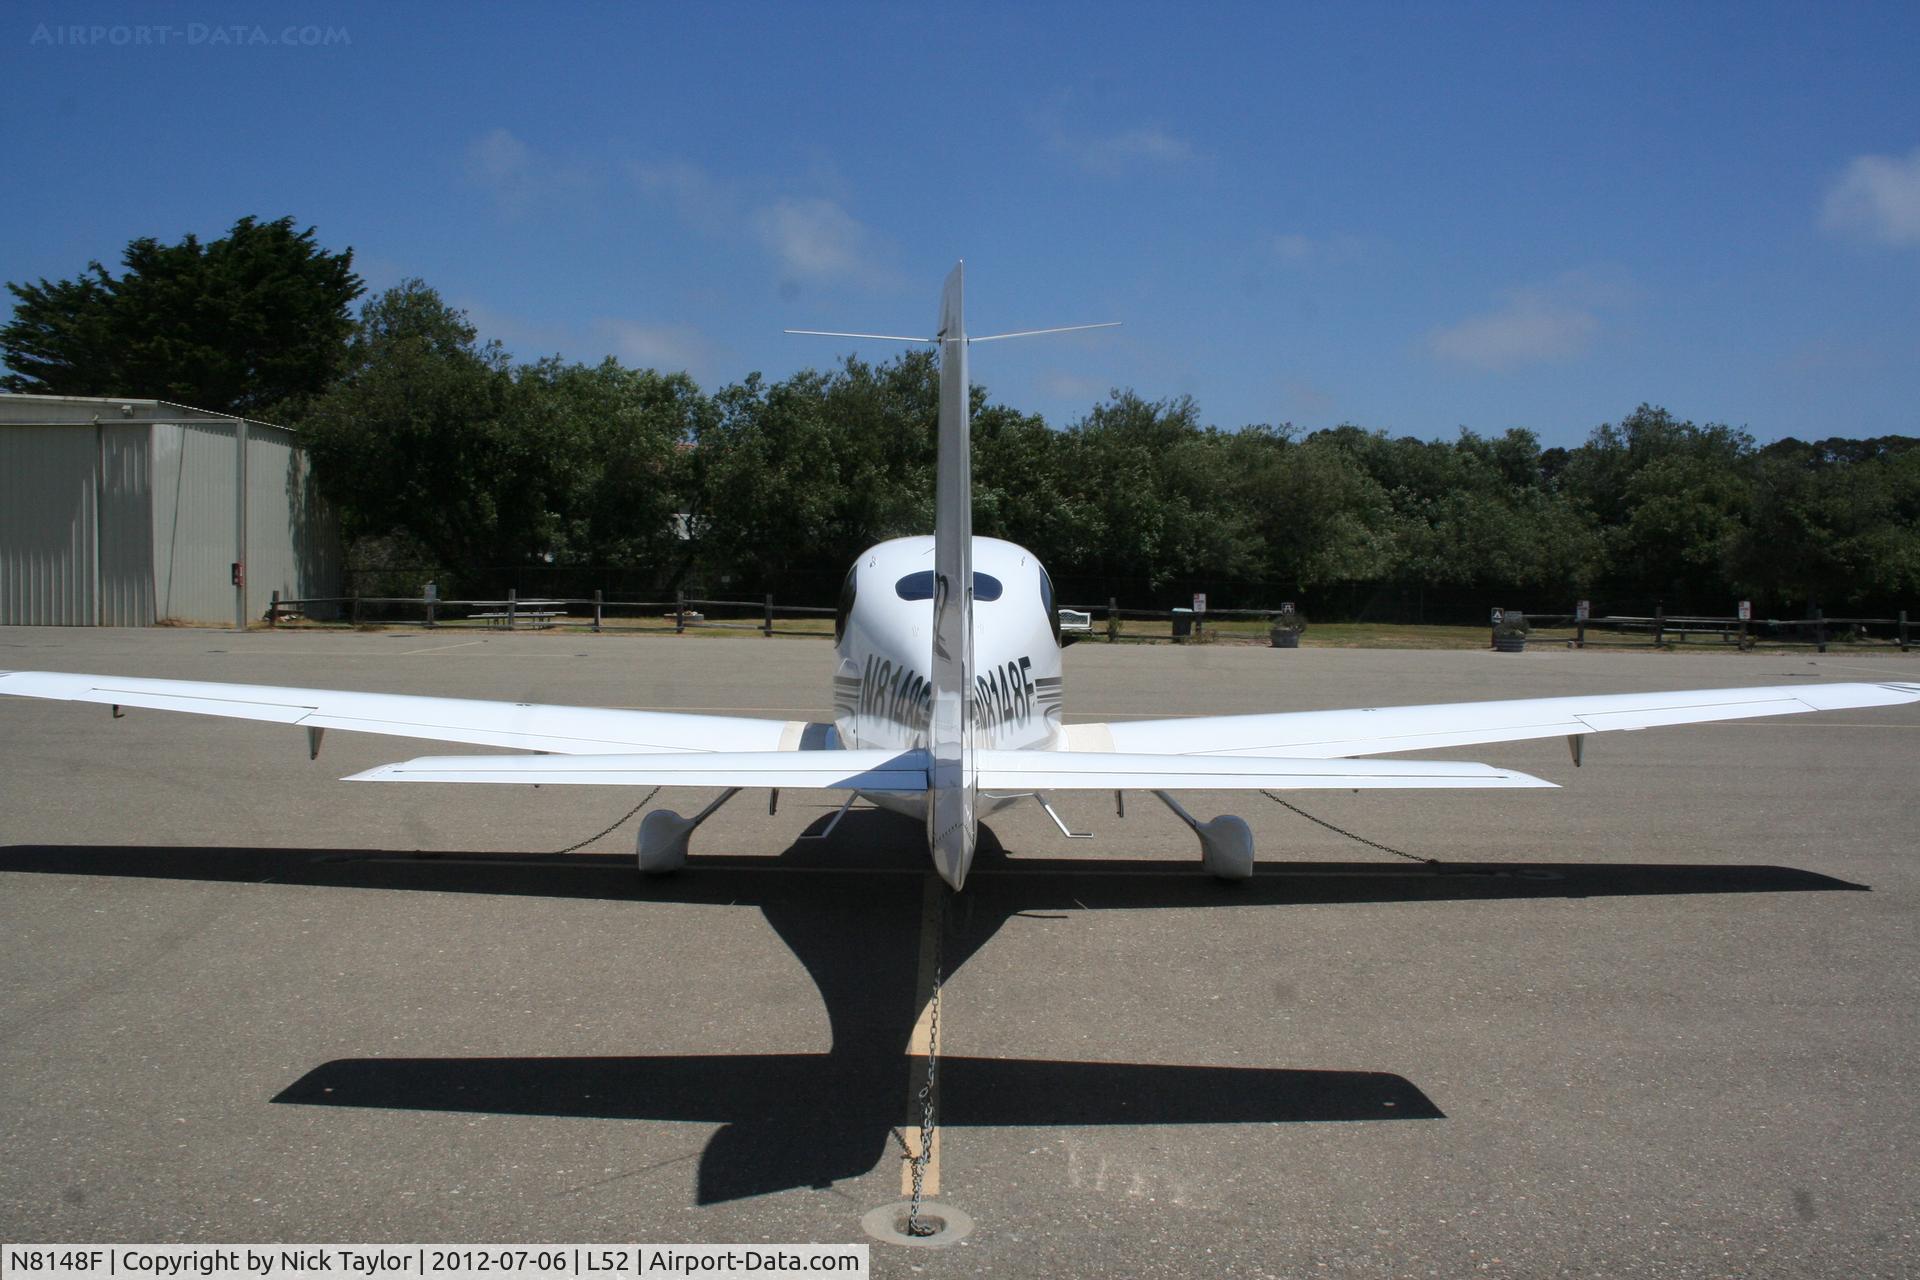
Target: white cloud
x=811, y=239
x=519, y=178
x=1297, y=250
x=1538, y=324
x=695, y=196
x=1306, y=399
x=498, y=158
x=669, y=348
x=1151, y=145
x=1113, y=154
x=1877, y=198
x=525, y=340
x=814, y=239
x=1062, y=385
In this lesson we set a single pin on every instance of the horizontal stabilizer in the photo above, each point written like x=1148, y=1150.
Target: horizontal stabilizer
x=906, y=771
x=1127, y=771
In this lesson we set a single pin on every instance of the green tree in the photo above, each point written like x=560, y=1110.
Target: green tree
x=1830, y=526
x=413, y=440
x=1317, y=517
x=770, y=481
x=609, y=478
x=1155, y=492
x=432, y=439
x=256, y=322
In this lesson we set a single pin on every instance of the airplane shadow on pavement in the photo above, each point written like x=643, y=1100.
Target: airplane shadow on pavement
x=850, y=910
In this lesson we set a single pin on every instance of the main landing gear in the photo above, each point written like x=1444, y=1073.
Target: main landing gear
x=662, y=845
x=1226, y=843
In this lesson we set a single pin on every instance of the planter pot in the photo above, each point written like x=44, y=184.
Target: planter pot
x=1509, y=644
x=1281, y=638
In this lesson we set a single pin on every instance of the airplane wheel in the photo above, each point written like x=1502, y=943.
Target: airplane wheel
x=662, y=846
x=1226, y=847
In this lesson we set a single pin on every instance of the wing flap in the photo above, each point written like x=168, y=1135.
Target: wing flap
x=864, y=770
x=526, y=726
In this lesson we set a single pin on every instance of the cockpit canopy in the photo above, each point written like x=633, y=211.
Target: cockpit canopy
x=919, y=586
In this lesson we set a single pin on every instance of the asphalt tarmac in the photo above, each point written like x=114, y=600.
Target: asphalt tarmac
x=1662, y=1022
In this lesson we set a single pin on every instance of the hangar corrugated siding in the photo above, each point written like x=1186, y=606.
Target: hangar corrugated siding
x=292, y=541
x=48, y=525
x=125, y=539
x=121, y=513
x=193, y=521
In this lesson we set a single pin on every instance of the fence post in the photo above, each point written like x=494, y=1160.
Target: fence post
x=1579, y=628
x=513, y=605
x=766, y=627
x=1659, y=625
x=273, y=613
x=1903, y=631
x=1113, y=619
x=597, y=602
x=1743, y=635
x=354, y=617
x=680, y=611
x=1820, y=630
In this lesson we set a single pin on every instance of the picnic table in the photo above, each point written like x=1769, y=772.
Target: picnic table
x=515, y=613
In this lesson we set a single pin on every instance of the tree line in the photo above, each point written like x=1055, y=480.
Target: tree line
x=444, y=458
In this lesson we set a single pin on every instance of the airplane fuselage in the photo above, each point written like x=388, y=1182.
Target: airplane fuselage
x=884, y=647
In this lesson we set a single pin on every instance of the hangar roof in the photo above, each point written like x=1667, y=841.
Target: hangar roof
x=38, y=410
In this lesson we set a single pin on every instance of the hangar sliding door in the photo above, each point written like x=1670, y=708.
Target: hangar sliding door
x=125, y=586
x=49, y=483
x=76, y=526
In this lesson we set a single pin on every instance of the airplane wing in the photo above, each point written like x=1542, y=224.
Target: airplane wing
x=1331, y=735
x=906, y=771
x=527, y=726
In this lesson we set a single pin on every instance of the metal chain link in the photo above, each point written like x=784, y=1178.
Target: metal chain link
x=575, y=848
x=1371, y=844
x=914, y=1226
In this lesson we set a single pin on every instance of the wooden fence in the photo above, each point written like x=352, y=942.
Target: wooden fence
x=1665, y=630
x=518, y=613
x=1110, y=622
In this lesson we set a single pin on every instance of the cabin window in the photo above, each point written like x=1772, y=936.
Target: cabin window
x=919, y=586
x=1046, y=602
x=845, y=609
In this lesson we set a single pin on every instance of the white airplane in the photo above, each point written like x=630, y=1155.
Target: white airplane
x=948, y=694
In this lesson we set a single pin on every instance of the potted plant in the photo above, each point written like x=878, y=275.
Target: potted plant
x=1284, y=633
x=1510, y=631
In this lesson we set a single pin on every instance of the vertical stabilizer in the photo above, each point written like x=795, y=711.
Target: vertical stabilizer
x=951, y=823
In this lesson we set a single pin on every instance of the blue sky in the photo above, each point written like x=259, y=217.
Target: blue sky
x=1409, y=217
